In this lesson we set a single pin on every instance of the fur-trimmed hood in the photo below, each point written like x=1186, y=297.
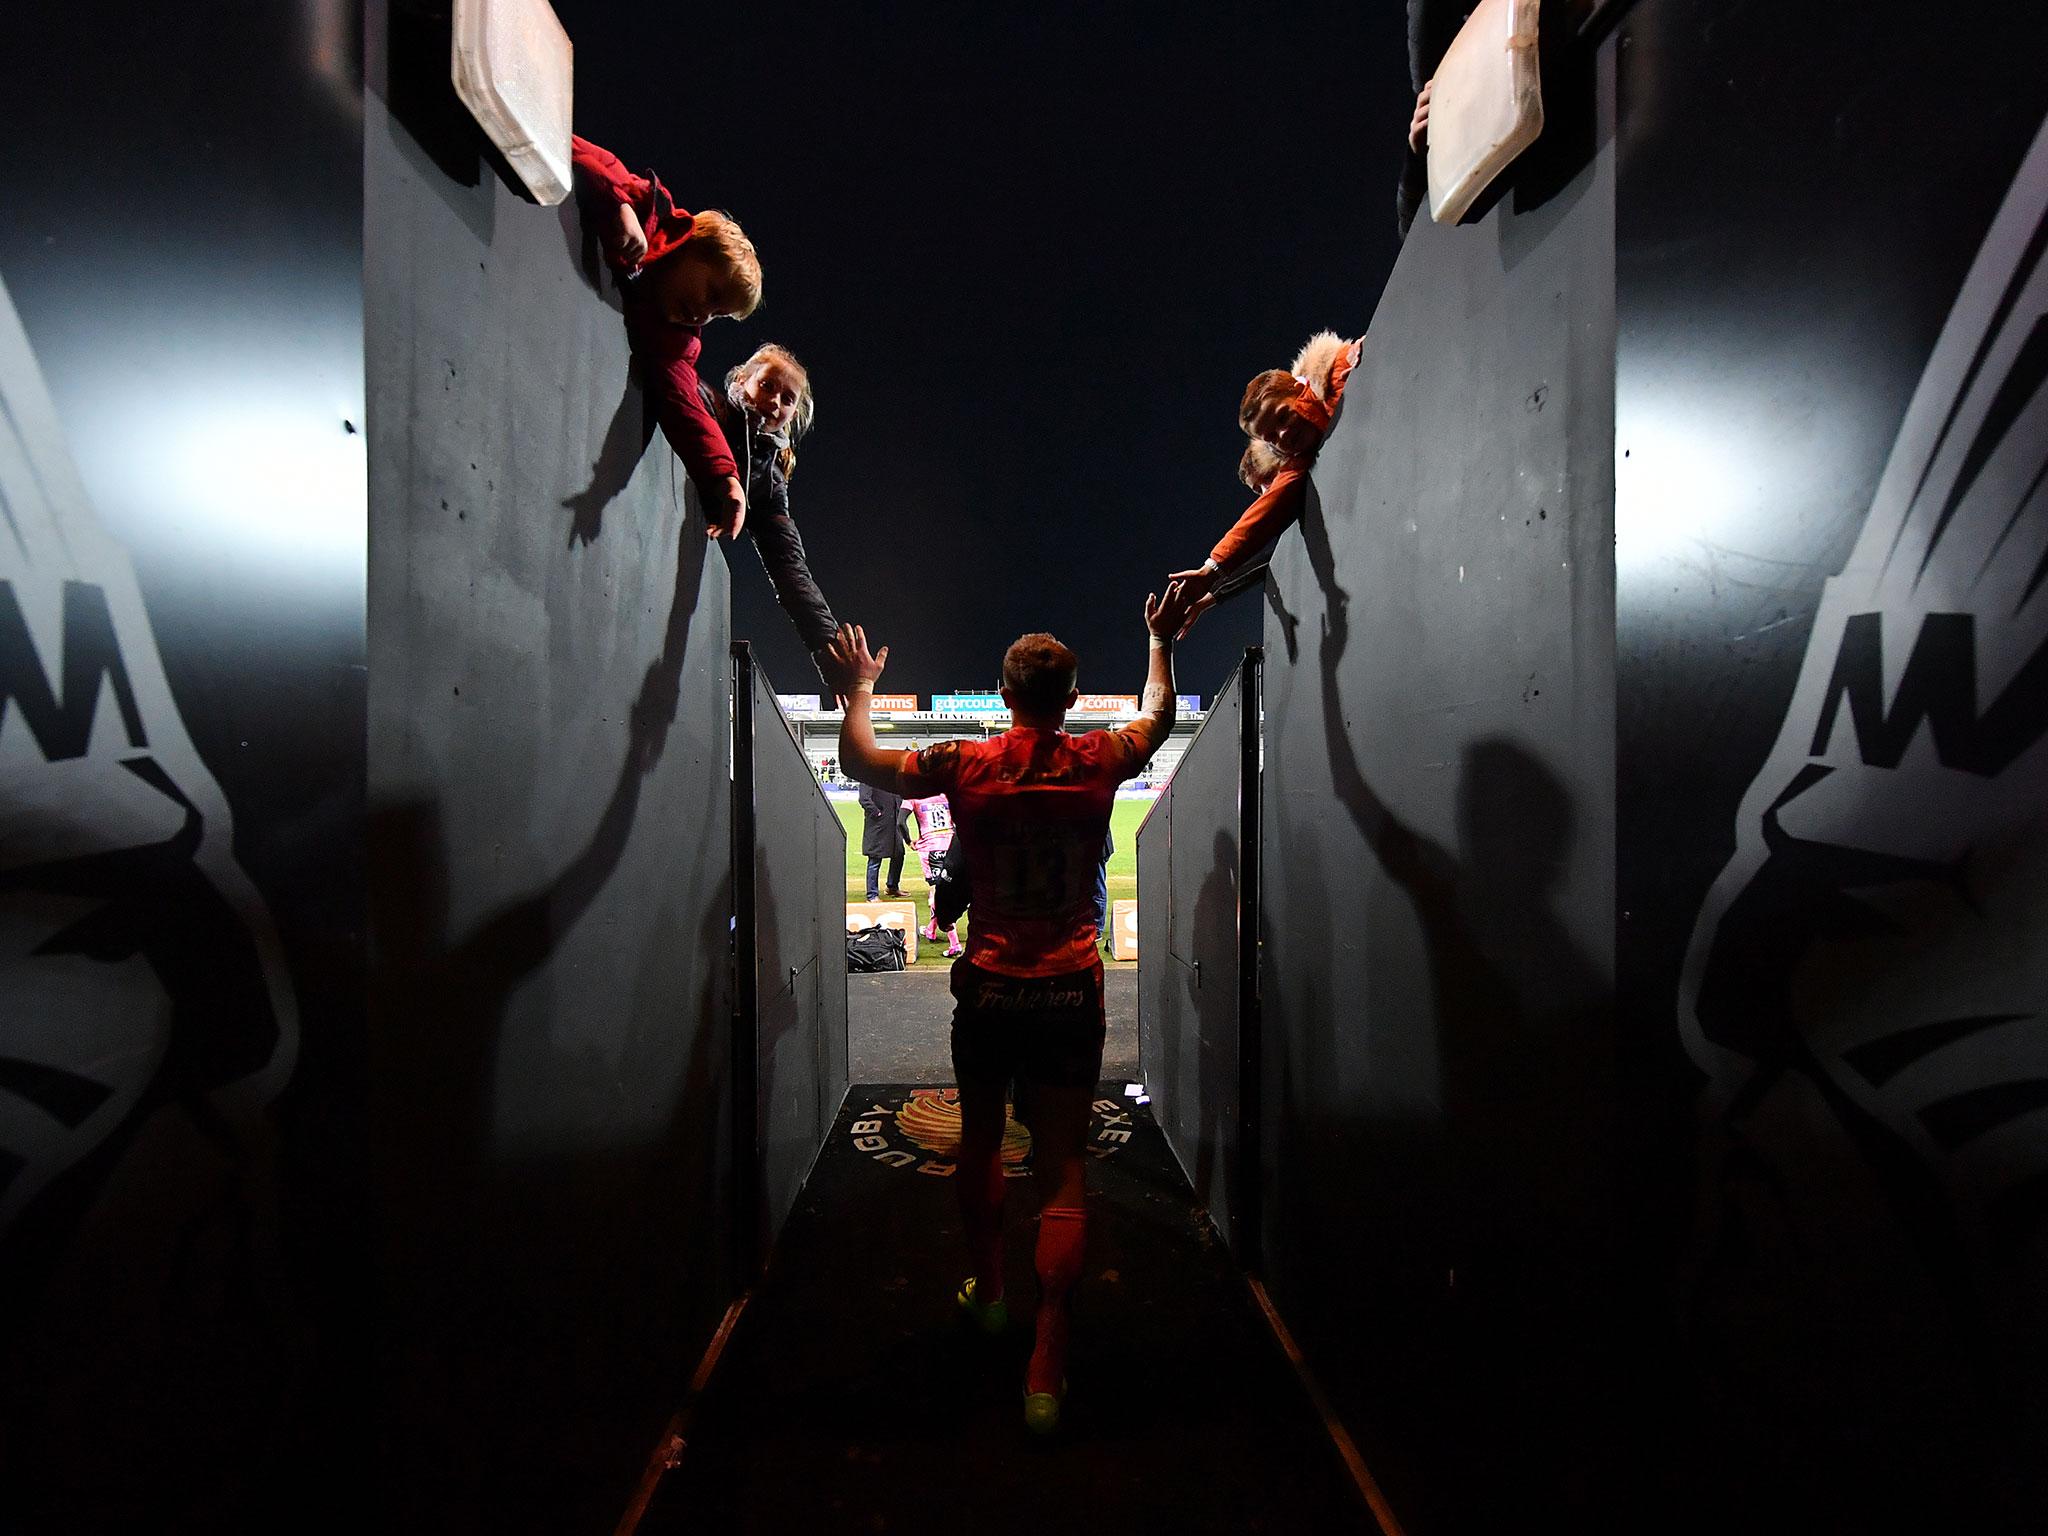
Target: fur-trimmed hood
x=1317, y=359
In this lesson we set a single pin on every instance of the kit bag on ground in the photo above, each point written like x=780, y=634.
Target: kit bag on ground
x=875, y=948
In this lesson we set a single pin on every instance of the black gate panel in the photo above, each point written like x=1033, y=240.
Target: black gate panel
x=789, y=853
x=1198, y=958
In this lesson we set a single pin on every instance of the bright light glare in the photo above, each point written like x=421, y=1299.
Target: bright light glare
x=291, y=479
x=1678, y=490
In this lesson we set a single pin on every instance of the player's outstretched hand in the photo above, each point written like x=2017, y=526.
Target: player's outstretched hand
x=1166, y=617
x=851, y=659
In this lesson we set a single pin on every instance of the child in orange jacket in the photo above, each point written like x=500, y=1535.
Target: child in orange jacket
x=679, y=271
x=1290, y=411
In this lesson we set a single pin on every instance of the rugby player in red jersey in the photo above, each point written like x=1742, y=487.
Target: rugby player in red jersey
x=1030, y=810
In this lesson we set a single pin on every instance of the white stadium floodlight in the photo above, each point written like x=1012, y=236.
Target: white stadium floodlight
x=1486, y=106
x=514, y=69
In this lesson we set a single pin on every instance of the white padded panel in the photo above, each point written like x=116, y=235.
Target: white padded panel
x=515, y=70
x=1486, y=107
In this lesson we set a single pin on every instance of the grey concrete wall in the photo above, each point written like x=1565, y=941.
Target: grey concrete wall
x=549, y=845
x=1438, y=858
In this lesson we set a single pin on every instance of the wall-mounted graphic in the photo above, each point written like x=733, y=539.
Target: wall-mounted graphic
x=139, y=967
x=1874, y=958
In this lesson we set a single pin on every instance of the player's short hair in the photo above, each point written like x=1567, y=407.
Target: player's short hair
x=1039, y=672
x=716, y=238
x=1265, y=388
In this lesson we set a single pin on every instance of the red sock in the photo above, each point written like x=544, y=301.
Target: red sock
x=1062, y=1230
x=981, y=1209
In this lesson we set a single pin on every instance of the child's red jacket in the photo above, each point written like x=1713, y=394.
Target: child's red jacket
x=665, y=354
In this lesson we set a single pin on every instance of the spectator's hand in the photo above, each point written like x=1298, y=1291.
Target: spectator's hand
x=1196, y=583
x=629, y=240
x=829, y=669
x=728, y=514
x=1418, y=125
x=851, y=659
x=1196, y=609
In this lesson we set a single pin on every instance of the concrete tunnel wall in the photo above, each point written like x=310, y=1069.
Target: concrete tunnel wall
x=1651, y=985
x=549, y=836
x=1438, y=877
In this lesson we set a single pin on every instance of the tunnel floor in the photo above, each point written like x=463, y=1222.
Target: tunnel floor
x=851, y=1400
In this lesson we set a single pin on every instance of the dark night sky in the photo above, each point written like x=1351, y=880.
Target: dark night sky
x=1030, y=255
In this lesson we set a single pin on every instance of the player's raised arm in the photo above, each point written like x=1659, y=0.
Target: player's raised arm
x=1164, y=617
x=859, y=755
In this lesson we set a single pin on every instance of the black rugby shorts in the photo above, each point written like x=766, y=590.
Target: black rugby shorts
x=1029, y=1029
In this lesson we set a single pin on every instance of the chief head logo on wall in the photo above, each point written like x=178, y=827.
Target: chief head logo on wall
x=139, y=968
x=1873, y=950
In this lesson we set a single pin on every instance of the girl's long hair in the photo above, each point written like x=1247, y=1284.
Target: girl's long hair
x=806, y=403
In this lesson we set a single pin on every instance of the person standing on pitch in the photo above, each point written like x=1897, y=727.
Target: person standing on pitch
x=931, y=823
x=1031, y=809
x=1102, y=889
x=881, y=832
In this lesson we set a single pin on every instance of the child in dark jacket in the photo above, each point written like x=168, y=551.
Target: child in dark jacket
x=766, y=406
x=679, y=271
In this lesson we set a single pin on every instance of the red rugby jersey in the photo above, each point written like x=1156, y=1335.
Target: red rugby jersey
x=1031, y=808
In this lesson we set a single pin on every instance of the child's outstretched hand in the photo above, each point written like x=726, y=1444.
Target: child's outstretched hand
x=629, y=240
x=728, y=513
x=1195, y=609
x=1195, y=583
x=1418, y=125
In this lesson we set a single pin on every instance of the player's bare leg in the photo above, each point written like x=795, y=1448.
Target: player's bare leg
x=1059, y=1132
x=979, y=1184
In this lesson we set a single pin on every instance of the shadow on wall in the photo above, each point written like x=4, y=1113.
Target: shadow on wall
x=1509, y=1181
x=1216, y=1024
x=488, y=1384
x=625, y=442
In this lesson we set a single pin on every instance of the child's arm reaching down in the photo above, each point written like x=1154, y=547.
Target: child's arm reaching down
x=631, y=213
x=1262, y=522
x=668, y=297
x=667, y=357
